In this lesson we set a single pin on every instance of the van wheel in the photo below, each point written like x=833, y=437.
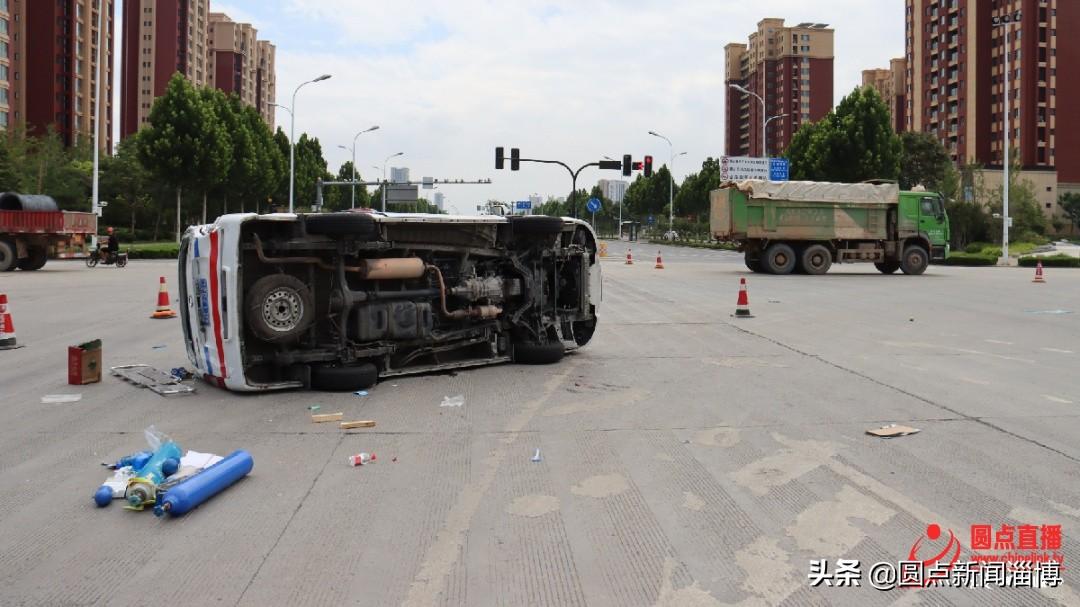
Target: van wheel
x=538, y=354
x=344, y=379
x=816, y=259
x=914, y=261
x=280, y=308
x=887, y=267
x=779, y=259
x=36, y=260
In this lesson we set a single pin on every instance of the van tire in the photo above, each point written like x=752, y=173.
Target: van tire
x=816, y=259
x=915, y=260
x=344, y=379
x=536, y=225
x=358, y=225
x=280, y=308
x=779, y=259
x=538, y=354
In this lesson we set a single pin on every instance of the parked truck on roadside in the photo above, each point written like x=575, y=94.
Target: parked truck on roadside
x=805, y=226
x=33, y=229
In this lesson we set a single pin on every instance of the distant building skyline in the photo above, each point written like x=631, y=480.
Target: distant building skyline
x=613, y=189
x=399, y=174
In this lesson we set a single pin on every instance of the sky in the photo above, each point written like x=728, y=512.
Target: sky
x=571, y=80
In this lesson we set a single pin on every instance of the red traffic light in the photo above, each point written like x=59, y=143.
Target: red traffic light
x=648, y=166
x=636, y=166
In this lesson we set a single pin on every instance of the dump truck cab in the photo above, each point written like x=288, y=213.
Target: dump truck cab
x=923, y=216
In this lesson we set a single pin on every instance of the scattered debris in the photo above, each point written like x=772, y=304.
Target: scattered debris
x=361, y=393
x=314, y=407
x=159, y=347
x=367, y=423
x=892, y=431
x=774, y=301
x=536, y=457
x=362, y=458
x=52, y=399
x=146, y=376
x=84, y=363
x=189, y=493
x=394, y=459
x=456, y=401
x=911, y=320
x=327, y=417
x=181, y=373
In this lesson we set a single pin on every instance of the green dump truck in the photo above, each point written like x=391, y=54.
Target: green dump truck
x=807, y=226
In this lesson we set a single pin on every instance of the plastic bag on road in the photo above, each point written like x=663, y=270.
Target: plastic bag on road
x=455, y=401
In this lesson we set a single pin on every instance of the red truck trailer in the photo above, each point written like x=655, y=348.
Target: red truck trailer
x=34, y=229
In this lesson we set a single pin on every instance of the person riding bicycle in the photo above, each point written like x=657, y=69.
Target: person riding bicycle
x=111, y=248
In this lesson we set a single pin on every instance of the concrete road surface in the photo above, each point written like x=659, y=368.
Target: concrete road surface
x=687, y=458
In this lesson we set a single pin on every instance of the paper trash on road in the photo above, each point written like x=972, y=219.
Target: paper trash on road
x=50, y=399
x=455, y=401
x=199, y=460
x=892, y=431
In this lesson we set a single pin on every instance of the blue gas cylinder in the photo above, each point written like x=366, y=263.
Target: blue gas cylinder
x=195, y=490
x=103, y=496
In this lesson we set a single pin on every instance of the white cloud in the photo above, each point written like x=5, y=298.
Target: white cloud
x=448, y=81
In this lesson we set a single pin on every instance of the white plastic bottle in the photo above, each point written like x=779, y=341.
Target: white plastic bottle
x=361, y=458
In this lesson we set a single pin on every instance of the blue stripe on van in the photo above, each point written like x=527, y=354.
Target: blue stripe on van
x=196, y=248
x=209, y=365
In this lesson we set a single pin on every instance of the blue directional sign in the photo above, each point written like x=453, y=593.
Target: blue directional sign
x=523, y=205
x=778, y=169
x=593, y=205
x=651, y=220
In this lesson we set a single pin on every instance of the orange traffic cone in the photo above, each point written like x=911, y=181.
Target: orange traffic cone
x=1038, y=273
x=629, y=258
x=7, y=328
x=163, y=310
x=742, y=307
x=659, y=262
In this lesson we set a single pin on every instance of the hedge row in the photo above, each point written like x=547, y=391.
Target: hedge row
x=1051, y=261
x=970, y=259
x=158, y=252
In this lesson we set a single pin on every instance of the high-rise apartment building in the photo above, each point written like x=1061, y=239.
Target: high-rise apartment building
x=791, y=68
x=399, y=174
x=242, y=64
x=890, y=84
x=956, y=80
x=613, y=189
x=161, y=37
x=48, y=62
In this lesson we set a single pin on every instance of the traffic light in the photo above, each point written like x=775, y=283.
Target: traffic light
x=636, y=166
x=648, y=166
x=515, y=159
x=498, y=158
x=626, y=165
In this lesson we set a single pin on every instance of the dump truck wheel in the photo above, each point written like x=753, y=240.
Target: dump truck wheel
x=279, y=308
x=779, y=259
x=887, y=267
x=752, y=263
x=816, y=259
x=914, y=261
x=36, y=260
x=538, y=354
x=344, y=379
x=7, y=256
x=359, y=225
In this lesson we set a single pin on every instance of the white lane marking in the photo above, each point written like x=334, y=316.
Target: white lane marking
x=997, y=341
x=1057, y=399
x=1057, y=351
x=977, y=382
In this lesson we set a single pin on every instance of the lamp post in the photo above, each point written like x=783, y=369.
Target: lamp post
x=384, y=177
x=771, y=118
x=1005, y=21
x=619, y=227
x=764, y=122
x=353, y=150
x=671, y=182
x=292, y=138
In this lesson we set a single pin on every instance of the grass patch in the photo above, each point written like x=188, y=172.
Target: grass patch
x=971, y=259
x=719, y=246
x=152, y=250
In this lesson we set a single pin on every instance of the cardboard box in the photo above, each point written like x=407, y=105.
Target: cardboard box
x=84, y=363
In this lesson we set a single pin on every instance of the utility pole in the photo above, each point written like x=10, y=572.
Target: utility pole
x=1005, y=22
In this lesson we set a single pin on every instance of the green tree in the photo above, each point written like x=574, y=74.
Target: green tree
x=853, y=143
x=310, y=167
x=10, y=179
x=182, y=145
x=923, y=161
x=126, y=185
x=244, y=166
x=219, y=137
x=270, y=166
x=1070, y=203
x=693, y=196
x=345, y=173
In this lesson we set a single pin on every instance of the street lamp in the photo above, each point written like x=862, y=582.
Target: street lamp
x=620, y=206
x=671, y=182
x=1005, y=21
x=353, y=149
x=746, y=91
x=384, y=177
x=771, y=118
x=292, y=139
